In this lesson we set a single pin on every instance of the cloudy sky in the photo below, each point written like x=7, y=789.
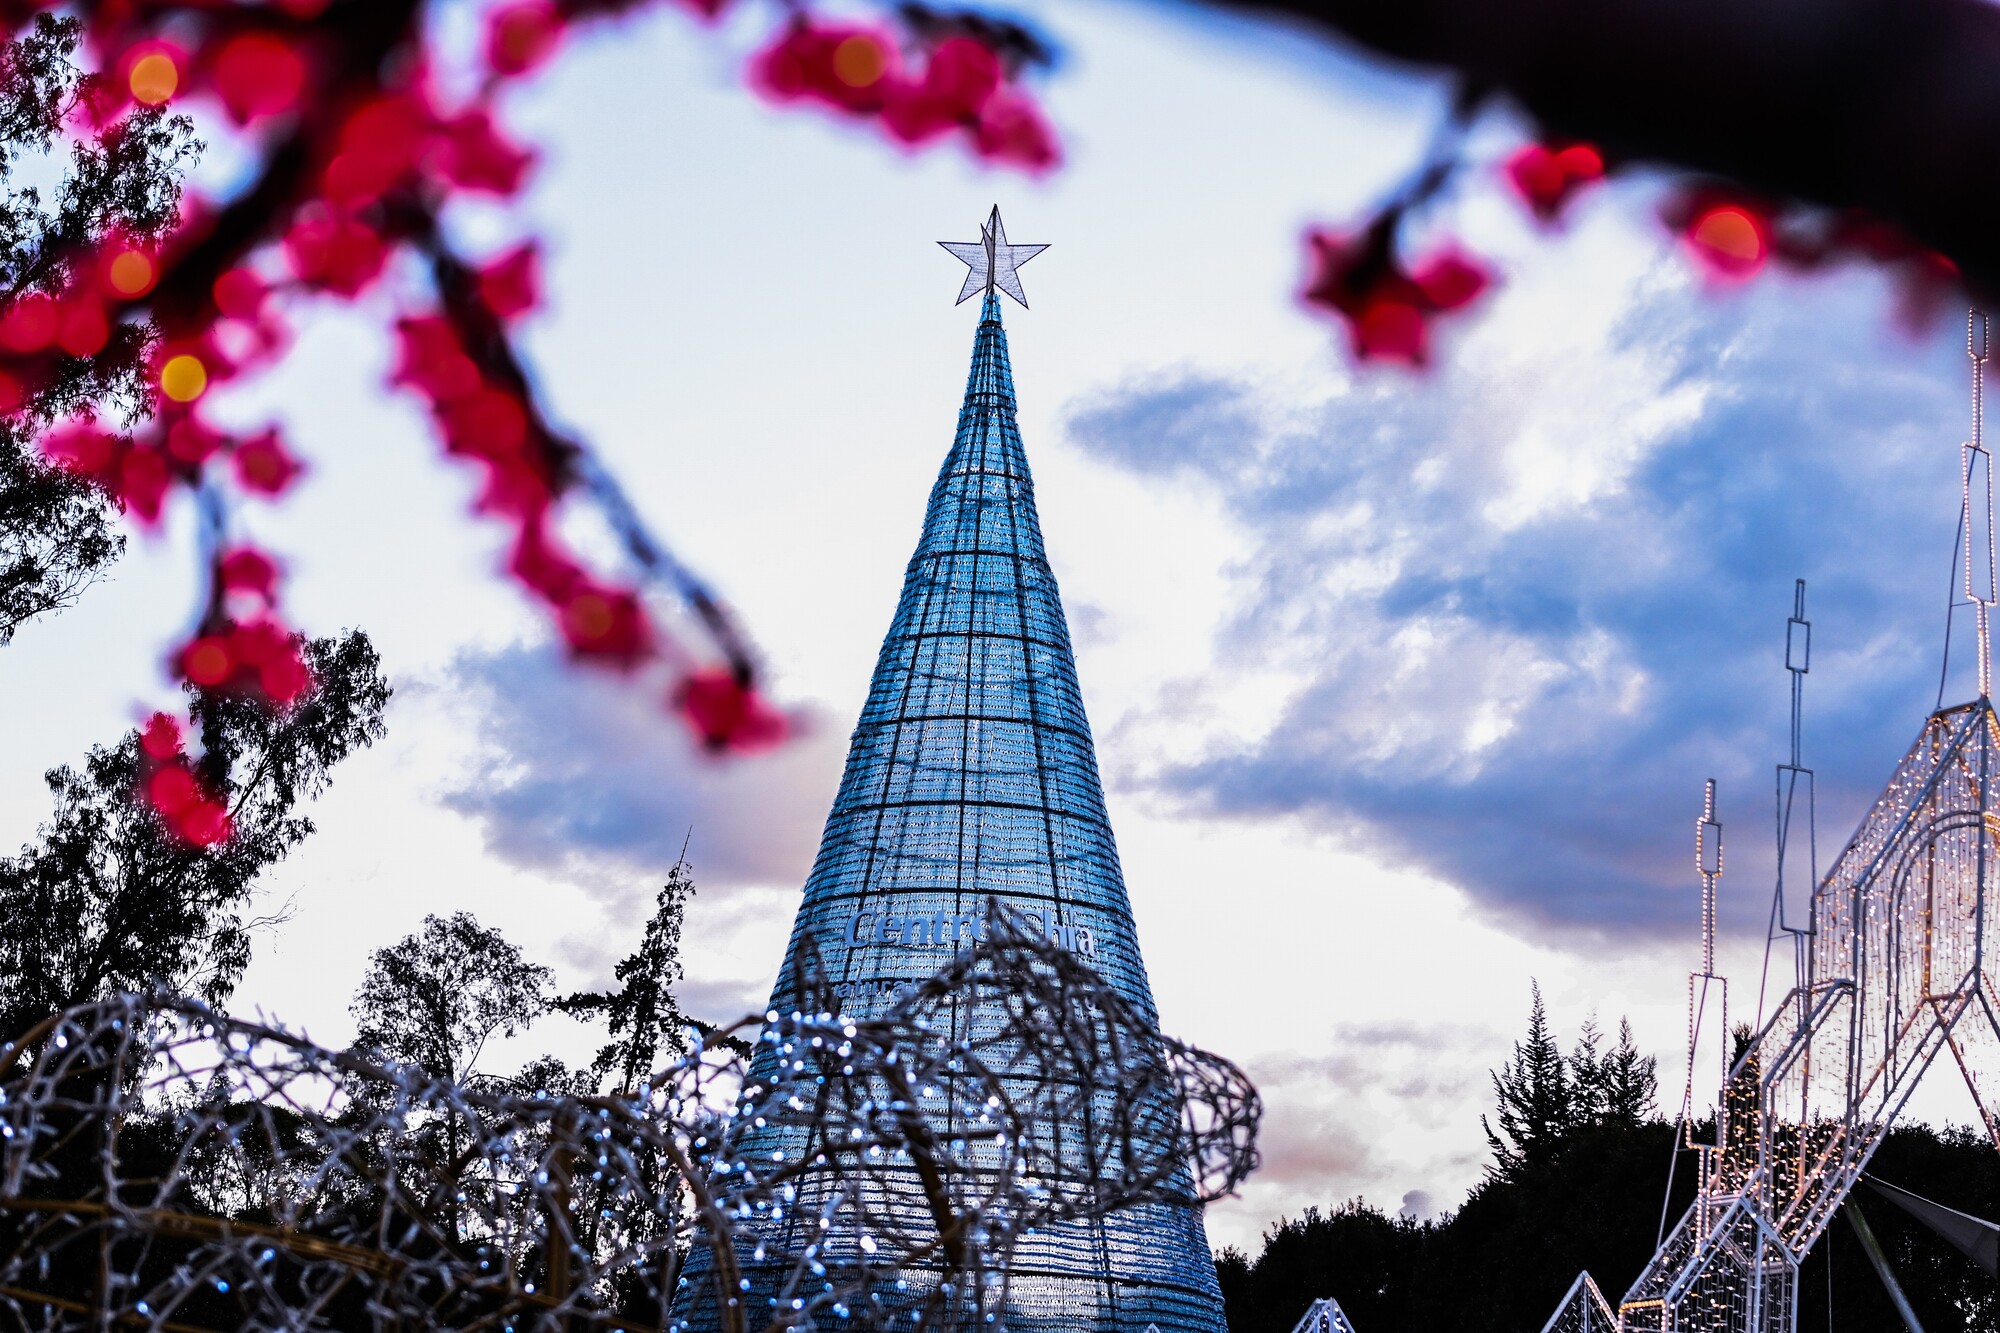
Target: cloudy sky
x=1404, y=688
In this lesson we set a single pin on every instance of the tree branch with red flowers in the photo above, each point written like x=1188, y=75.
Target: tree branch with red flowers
x=1819, y=132
x=1815, y=130
x=360, y=155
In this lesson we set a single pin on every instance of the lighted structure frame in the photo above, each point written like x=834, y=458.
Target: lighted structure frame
x=972, y=787
x=1897, y=966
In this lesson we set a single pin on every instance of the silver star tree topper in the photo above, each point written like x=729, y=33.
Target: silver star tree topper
x=991, y=262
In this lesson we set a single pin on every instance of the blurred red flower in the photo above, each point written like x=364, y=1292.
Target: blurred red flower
x=161, y=738
x=381, y=141
x=1547, y=176
x=337, y=254
x=511, y=285
x=264, y=465
x=81, y=448
x=430, y=360
x=1388, y=309
x=1012, y=130
x=843, y=65
x=473, y=155
x=248, y=570
x=606, y=624
x=727, y=714
x=521, y=35
x=140, y=483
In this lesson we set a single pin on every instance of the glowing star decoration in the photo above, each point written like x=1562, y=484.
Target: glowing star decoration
x=991, y=263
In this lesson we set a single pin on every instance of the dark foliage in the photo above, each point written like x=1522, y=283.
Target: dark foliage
x=1957, y=1167
x=1500, y=1263
x=1505, y=1258
x=1886, y=106
x=107, y=898
x=646, y=1022
x=1542, y=1098
x=434, y=999
x=1364, y=1259
x=56, y=536
x=1583, y=1189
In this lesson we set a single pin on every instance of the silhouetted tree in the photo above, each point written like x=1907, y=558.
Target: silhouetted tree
x=55, y=532
x=1534, y=1095
x=1373, y=1264
x=1630, y=1081
x=1591, y=1197
x=55, y=536
x=435, y=998
x=109, y=897
x=1588, y=1072
x=645, y=1020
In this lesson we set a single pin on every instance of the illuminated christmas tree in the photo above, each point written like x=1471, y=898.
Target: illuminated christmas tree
x=972, y=781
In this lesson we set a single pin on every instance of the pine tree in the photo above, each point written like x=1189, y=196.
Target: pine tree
x=1631, y=1081
x=1589, y=1075
x=645, y=1020
x=1535, y=1100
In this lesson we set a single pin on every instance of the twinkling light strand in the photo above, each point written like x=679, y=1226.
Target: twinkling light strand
x=164, y=1166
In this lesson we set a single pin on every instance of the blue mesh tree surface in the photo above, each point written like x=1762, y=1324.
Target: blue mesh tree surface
x=972, y=780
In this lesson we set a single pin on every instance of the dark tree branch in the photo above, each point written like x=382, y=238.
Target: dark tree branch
x=1888, y=106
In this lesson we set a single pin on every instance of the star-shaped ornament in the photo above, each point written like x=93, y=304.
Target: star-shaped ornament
x=990, y=262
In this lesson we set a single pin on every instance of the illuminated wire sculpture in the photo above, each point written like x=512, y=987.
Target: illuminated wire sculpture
x=1583, y=1310
x=167, y=1168
x=1898, y=967
x=971, y=791
x=1793, y=780
x=1324, y=1316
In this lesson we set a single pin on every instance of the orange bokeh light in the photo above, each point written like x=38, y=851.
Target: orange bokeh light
x=183, y=377
x=154, y=78
x=1731, y=240
x=131, y=273
x=860, y=61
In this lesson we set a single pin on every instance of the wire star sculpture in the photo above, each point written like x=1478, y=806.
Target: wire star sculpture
x=991, y=262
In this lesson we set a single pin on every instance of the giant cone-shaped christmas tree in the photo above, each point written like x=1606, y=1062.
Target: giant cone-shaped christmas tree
x=972, y=780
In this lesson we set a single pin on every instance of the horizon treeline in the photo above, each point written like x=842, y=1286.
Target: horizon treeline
x=1578, y=1181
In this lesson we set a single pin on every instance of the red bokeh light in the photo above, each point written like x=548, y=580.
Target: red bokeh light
x=1731, y=241
x=257, y=75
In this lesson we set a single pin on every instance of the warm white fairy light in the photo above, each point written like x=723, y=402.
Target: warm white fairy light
x=1893, y=961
